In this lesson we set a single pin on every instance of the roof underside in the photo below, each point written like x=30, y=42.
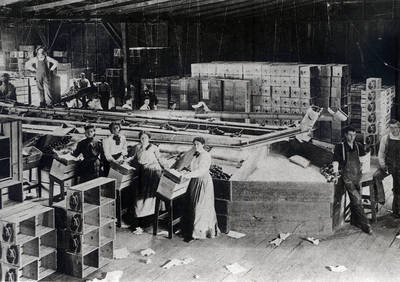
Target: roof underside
x=200, y=10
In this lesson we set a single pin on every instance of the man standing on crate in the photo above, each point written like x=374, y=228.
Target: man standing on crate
x=7, y=90
x=346, y=159
x=389, y=162
x=44, y=66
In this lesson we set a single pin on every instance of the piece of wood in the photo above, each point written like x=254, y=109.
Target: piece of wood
x=274, y=191
x=222, y=189
x=51, y=5
x=281, y=210
x=222, y=207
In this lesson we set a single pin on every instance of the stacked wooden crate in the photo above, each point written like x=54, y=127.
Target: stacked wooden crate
x=22, y=90
x=90, y=230
x=179, y=93
x=28, y=244
x=308, y=208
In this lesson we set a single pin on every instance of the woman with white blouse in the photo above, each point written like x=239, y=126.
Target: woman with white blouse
x=200, y=220
x=149, y=166
x=115, y=147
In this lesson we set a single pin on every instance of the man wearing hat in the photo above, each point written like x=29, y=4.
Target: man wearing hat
x=7, y=90
x=43, y=65
x=91, y=150
x=346, y=159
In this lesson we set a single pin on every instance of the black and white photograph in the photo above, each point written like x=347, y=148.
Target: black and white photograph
x=199, y=140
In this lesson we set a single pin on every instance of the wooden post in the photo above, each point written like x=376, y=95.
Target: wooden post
x=124, y=55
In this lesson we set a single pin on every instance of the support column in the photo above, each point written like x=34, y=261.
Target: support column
x=124, y=55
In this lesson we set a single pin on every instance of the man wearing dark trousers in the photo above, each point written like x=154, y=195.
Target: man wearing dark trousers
x=346, y=159
x=43, y=65
x=389, y=162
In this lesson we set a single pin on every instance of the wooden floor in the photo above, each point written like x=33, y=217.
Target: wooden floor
x=367, y=257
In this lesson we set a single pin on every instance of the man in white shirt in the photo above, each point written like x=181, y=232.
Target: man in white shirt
x=389, y=162
x=115, y=147
x=43, y=65
x=83, y=82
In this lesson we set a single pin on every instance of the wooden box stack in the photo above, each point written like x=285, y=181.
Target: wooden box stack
x=22, y=90
x=90, y=230
x=308, y=208
x=162, y=91
x=28, y=242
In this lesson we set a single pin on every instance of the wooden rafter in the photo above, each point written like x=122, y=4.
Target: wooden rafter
x=133, y=7
x=102, y=5
x=50, y=5
x=10, y=2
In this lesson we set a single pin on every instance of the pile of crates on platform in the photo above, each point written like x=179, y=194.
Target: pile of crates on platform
x=87, y=242
x=28, y=242
x=370, y=110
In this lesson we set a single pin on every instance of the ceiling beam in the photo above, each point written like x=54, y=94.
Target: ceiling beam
x=276, y=10
x=50, y=5
x=10, y=2
x=240, y=4
x=103, y=5
x=132, y=7
x=205, y=5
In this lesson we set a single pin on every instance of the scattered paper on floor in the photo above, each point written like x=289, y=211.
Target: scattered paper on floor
x=398, y=236
x=235, y=268
x=313, y=240
x=147, y=252
x=337, y=268
x=121, y=253
x=113, y=276
x=176, y=262
x=163, y=233
x=138, y=231
x=282, y=237
x=236, y=235
x=196, y=276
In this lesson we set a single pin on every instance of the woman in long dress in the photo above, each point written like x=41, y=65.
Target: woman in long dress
x=148, y=162
x=200, y=220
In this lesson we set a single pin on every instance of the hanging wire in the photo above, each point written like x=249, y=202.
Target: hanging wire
x=222, y=35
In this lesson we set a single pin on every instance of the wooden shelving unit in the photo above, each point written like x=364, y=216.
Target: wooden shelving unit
x=28, y=242
x=90, y=230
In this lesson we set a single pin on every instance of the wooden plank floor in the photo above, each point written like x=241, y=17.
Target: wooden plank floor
x=367, y=257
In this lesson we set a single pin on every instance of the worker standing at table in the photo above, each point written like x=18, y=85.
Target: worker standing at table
x=90, y=149
x=149, y=164
x=346, y=159
x=389, y=162
x=44, y=66
x=115, y=147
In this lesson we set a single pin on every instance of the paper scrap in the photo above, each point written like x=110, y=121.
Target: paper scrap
x=235, y=268
x=113, y=276
x=162, y=233
x=337, y=268
x=284, y=236
x=176, y=262
x=196, y=276
x=236, y=235
x=313, y=240
x=276, y=242
x=147, y=252
x=138, y=231
x=121, y=253
x=398, y=236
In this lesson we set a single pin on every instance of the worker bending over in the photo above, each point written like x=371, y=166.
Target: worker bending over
x=346, y=159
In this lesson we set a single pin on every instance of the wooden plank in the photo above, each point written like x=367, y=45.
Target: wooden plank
x=50, y=5
x=281, y=210
x=322, y=226
x=274, y=191
x=133, y=7
x=11, y=2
